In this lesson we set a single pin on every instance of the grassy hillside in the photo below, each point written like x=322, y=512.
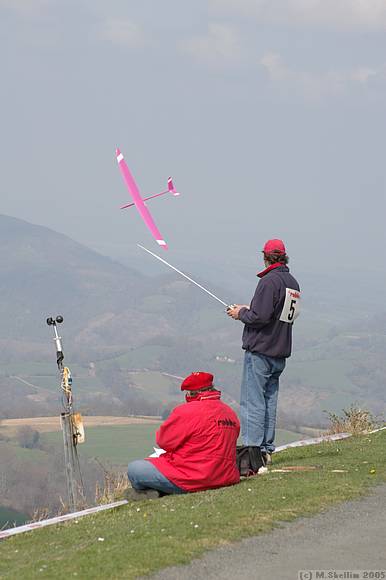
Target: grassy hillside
x=140, y=538
x=116, y=445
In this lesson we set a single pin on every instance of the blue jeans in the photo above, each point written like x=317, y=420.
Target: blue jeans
x=143, y=475
x=258, y=402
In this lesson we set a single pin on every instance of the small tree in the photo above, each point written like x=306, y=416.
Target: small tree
x=28, y=437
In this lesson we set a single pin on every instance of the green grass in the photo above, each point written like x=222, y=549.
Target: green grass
x=143, y=537
x=119, y=444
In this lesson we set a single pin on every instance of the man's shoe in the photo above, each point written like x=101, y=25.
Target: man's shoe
x=141, y=494
x=267, y=458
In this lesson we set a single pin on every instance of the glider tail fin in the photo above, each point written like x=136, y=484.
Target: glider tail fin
x=171, y=187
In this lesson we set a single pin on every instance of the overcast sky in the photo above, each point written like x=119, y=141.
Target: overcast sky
x=269, y=114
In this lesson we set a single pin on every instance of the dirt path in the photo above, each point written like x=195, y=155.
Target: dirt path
x=349, y=536
x=47, y=424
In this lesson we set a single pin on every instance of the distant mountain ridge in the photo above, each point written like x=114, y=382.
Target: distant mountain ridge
x=104, y=303
x=45, y=273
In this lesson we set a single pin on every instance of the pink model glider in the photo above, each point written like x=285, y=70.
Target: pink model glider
x=139, y=202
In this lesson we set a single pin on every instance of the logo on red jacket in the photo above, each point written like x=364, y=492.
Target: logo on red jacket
x=226, y=423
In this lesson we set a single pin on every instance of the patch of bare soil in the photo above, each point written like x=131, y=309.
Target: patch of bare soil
x=47, y=424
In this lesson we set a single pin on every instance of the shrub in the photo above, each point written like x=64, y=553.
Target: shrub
x=113, y=486
x=28, y=437
x=353, y=420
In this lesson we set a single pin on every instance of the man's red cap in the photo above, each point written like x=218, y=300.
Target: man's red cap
x=274, y=247
x=197, y=381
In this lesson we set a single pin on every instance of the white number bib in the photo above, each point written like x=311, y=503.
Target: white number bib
x=291, y=308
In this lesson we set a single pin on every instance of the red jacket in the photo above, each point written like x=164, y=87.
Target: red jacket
x=199, y=438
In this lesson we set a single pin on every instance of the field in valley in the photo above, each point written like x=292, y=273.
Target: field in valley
x=112, y=440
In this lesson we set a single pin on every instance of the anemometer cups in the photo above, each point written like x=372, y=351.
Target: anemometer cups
x=54, y=321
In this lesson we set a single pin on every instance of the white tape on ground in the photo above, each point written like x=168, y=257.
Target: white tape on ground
x=314, y=441
x=59, y=519
x=321, y=439
x=376, y=430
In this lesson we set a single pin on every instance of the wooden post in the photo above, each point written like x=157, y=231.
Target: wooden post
x=68, y=443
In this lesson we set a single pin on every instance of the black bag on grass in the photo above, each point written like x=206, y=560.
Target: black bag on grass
x=248, y=459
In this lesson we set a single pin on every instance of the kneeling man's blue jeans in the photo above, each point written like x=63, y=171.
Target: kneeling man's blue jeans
x=259, y=393
x=143, y=475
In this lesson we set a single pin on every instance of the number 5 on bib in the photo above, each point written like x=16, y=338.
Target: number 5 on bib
x=291, y=308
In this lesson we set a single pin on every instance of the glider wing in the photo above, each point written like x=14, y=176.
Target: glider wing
x=138, y=201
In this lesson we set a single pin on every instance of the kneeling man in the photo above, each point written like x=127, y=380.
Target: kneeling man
x=199, y=439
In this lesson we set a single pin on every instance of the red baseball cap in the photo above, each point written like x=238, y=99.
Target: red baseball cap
x=274, y=247
x=197, y=381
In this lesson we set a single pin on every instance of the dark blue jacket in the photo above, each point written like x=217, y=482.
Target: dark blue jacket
x=264, y=332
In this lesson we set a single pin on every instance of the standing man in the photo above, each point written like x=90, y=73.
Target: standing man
x=267, y=341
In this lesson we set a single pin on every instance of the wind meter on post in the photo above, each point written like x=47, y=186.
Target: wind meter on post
x=58, y=340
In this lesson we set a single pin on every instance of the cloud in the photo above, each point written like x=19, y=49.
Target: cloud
x=342, y=14
x=26, y=8
x=313, y=86
x=123, y=32
x=219, y=47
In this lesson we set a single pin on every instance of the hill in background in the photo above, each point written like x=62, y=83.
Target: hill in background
x=125, y=334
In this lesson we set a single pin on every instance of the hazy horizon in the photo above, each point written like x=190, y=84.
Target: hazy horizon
x=270, y=118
